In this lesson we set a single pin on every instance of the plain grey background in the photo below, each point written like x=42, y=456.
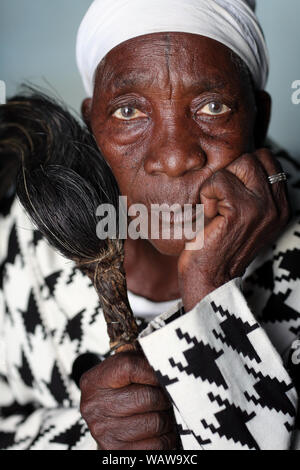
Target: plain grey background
x=37, y=43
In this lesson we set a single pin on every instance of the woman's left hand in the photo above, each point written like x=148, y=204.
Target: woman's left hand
x=244, y=213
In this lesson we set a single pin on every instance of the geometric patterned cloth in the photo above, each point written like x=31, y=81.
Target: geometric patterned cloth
x=230, y=365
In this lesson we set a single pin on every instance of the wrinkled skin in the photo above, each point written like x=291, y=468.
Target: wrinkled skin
x=125, y=407
x=192, y=132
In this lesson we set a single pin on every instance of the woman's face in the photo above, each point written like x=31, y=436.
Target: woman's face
x=168, y=111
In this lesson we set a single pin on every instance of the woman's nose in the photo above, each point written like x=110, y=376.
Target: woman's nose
x=174, y=153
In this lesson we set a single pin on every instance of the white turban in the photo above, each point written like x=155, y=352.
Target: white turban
x=233, y=23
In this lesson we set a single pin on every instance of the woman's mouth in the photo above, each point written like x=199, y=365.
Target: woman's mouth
x=178, y=216
x=177, y=222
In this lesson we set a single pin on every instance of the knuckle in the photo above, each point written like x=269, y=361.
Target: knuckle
x=246, y=162
x=249, y=159
x=157, y=399
x=91, y=376
x=108, y=407
x=154, y=423
x=155, y=396
x=127, y=362
x=220, y=176
x=109, y=402
x=95, y=406
x=159, y=423
x=143, y=397
x=251, y=169
x=232, y=211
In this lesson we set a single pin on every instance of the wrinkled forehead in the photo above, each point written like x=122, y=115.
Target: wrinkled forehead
x=154, y=59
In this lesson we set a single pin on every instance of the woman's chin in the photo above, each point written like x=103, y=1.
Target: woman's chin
x=169, y=247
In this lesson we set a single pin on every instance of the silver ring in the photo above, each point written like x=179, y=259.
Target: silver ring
x=276, y=178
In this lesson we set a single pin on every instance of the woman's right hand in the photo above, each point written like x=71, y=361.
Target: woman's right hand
x=124, y=406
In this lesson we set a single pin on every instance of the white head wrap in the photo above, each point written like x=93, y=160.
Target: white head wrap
x=233, y=23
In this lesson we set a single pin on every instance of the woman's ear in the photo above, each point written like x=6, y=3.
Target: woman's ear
x=86, y=107
x=264, y=106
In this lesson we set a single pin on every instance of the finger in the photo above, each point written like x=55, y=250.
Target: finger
x=210, y=205
x=164, y=442
x=217, y=195
x=137, y=428
x=227, y=191
x=118, y=371
x=131, y=400
x=235, y=201
x=272, y=167
x=253, y=170
x=269, y=162
x=249, y=170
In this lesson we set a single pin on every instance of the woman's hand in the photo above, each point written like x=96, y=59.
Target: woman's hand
x=245, y=213
x=124, y=406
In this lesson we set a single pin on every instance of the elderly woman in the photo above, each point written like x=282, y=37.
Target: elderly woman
x=177, y=106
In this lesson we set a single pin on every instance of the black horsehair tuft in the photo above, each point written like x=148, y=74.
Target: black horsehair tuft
x=61, y=178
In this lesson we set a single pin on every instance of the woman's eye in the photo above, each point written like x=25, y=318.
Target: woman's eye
x=127, y=113
x=214, y=108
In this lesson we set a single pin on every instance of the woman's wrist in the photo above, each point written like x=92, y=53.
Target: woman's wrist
x=193, y=289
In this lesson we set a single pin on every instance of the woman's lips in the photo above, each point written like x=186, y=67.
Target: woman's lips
x=179, y=216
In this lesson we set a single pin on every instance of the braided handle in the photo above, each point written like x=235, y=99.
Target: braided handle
x=109, y=279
